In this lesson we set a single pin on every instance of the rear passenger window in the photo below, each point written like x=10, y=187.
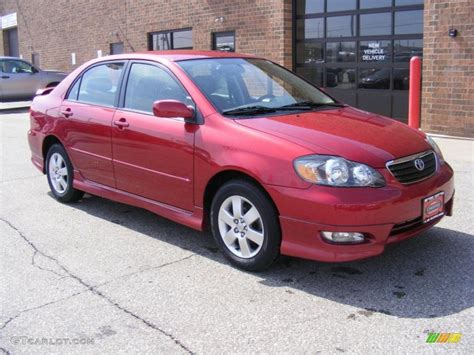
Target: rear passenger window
x=147, y=84
x=74, y=91
x=99, y=85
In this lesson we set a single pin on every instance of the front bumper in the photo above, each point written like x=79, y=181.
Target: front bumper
x=387, y=215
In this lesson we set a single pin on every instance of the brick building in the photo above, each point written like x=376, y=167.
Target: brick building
x=359, y=50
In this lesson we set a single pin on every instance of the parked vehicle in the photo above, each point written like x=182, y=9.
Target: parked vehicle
x=240, y=145
x=19, y=80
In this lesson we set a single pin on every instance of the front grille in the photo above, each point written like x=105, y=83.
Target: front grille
x=405, y=169
x=416, y=222
x=406, y=226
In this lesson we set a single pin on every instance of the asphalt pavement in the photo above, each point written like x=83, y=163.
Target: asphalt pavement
x=102, y=277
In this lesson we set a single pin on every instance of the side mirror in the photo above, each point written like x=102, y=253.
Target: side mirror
x=172, y=109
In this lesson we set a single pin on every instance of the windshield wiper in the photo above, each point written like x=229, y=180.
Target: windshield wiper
x=308, y=105
x=249, y=110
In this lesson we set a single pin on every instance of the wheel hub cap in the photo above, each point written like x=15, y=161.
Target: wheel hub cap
x=241, y=227
x=58, y=174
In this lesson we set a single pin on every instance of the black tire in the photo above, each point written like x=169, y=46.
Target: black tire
x=70, y=194
x=270, y=248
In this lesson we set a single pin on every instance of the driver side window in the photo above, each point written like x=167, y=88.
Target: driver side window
x=16, y=67
x=147, y=84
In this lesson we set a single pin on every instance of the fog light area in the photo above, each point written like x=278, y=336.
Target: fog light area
x=344, y=237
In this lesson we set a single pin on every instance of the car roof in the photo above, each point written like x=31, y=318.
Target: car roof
x=177, y=55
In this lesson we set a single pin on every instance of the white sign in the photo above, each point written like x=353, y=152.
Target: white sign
x=374, y=53
x=73, y=58
x=99, y=53
x=9, y=21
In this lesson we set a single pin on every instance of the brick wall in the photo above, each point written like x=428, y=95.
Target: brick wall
x=448, y=68
x=57, y=28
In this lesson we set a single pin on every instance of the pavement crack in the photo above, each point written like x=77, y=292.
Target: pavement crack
x=35, y=264
x=4, y=325
x=98, y=293
x=146, y=269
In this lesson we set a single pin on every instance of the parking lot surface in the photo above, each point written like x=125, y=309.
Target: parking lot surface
x=102, y=277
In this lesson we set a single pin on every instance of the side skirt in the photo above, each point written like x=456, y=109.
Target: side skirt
x=191, y=219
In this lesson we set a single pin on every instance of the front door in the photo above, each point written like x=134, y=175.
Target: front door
x=88, y=112
x=153, y=156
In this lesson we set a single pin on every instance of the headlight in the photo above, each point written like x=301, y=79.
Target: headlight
x=336, y=171
x=435, y=147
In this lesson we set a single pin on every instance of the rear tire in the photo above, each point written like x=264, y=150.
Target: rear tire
x=245, y=225
x=60, y=175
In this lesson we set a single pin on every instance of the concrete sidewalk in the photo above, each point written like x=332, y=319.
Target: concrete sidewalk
x=456, y=149
x=14, y=105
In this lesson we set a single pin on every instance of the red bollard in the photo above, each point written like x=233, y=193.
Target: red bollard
x=414, y=93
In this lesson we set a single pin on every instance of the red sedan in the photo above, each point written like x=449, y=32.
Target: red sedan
x=269, y=162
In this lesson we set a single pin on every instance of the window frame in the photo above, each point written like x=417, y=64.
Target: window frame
x=197, y=118
x=317, y=72
x=223, y=33
x=80, y=76
x=357, y=38
x=34, y=69
x=209, y=100
x=111, y=46
x=171, y=33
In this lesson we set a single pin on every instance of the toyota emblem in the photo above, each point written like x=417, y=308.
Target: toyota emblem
x=419, y=164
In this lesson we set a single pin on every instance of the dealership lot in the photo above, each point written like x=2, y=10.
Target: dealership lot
x=99, y=276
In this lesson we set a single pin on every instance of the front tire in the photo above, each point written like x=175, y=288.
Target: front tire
x=60, y=175
x=245, y=225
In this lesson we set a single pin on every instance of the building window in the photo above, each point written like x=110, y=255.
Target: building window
x=178, y=39
x=309, y=7
x=359, y=50
x=407, y=22
x=341, y=5
x=224, y=41
x=341, y=26
x=376, y=24
x=116, y=48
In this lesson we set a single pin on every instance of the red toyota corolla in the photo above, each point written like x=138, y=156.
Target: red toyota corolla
x=268, y=161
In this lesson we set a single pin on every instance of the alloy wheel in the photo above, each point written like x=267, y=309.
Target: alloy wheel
x=58, y=174
x=241, y=227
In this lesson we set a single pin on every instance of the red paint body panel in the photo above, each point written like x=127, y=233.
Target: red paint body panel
x=153, y=158
x=164, y=164
x=354, y=134
x=88, y=136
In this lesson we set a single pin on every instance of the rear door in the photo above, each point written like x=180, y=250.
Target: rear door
x=153, y=156
x=88, y=111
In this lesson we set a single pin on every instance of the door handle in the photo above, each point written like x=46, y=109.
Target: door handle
x=5, y=77
x=66, y=113
x=121, y=123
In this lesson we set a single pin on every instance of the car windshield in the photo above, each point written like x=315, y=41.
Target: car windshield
x=241, y=86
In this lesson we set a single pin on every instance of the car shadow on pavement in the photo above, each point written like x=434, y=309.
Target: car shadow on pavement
x=425, y=277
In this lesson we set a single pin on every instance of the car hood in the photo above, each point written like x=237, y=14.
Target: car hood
x=348, y=132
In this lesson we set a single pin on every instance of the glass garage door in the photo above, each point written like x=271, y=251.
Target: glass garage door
x=359, y=50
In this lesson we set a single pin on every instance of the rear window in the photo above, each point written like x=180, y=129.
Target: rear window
x=99, y=84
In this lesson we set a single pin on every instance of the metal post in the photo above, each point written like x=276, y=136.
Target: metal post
x=414, y=93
